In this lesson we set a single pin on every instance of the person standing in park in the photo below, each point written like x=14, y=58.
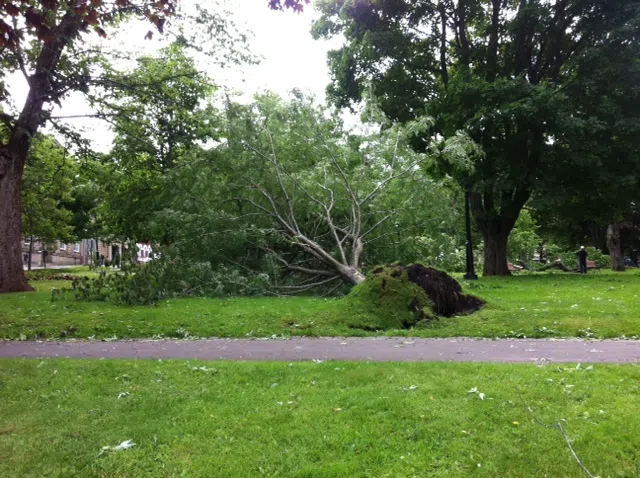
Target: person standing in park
x=582, y=260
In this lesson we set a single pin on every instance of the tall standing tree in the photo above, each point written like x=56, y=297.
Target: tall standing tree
x=600, y=190
x=45, y=41
x=48, y=42
x=495, y=69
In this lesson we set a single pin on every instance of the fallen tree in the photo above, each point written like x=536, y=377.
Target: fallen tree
x=322, y=198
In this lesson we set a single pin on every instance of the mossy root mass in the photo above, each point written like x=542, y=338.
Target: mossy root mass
x=401, y=297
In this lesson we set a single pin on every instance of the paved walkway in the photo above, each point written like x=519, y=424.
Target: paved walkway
x=374, y=349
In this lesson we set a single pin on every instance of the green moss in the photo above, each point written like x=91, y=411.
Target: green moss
x=387, y=300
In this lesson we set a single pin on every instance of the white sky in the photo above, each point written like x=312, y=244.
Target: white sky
x=291, y=59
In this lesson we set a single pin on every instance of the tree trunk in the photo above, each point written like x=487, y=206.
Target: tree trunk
x=352, y=275
x=615, y=249
x=495, y=253
x=12, y=278
x=495, y=224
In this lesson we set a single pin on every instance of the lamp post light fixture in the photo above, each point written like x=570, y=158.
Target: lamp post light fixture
x=471, y=273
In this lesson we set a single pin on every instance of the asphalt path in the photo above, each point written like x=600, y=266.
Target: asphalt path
x=387, y=349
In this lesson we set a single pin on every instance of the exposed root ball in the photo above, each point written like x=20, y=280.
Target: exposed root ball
x=443, y=290
x=397, y=297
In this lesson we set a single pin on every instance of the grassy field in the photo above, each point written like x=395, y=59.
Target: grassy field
x=541, y=305
x=315, y=419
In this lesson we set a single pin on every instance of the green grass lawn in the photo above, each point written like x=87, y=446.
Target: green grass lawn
x=315, y=419
x=541, y=305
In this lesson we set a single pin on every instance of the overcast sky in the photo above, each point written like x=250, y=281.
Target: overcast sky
x=291, y=58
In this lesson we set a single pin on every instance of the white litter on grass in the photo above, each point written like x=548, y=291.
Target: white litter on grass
x=201, y=369
x=123, y=394
x=318, y=361
x=125, y=445
x=481, y=395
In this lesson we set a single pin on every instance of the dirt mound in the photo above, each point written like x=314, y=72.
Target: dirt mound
x=443, y=290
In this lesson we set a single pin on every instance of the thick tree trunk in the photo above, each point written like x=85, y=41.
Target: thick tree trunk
x=615, y=248
x=12, y=278
x=495, y=253
x=496, y=224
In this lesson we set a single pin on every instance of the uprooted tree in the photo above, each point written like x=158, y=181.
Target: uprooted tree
x=318, y=187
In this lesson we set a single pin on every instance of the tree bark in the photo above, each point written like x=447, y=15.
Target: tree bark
x=352, y=275
x=12, y=278
x=495, y=253
x=615, y=248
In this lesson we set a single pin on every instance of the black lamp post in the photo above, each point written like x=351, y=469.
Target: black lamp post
x=471, y=273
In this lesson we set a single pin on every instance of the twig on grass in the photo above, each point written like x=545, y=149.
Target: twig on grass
x=559, y=426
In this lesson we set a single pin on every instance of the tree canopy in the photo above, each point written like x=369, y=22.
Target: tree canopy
x=49, y=44
x=499, y=71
